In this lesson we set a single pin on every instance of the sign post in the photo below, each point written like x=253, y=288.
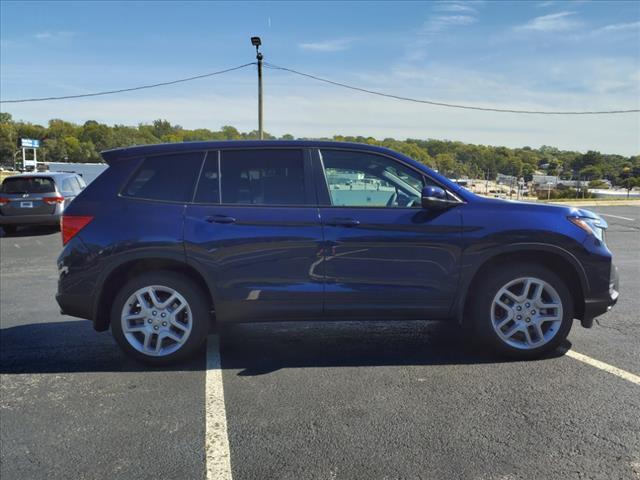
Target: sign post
x=29, y=144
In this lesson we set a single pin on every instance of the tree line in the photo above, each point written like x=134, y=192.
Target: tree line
x=63, y=141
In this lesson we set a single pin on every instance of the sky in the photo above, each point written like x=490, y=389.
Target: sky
x=537, y=55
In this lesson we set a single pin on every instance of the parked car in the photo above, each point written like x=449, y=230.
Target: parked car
x=36, y=198
x=173, y=237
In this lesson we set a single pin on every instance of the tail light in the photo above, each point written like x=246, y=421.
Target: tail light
x=4, y=201
x=70, y=226
x=53, y=200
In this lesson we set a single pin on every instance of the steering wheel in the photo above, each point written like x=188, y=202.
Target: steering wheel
x=392, y=199
x=412, y=202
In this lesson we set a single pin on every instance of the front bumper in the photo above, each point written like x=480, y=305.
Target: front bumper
x=596, y=306
x=30, y=219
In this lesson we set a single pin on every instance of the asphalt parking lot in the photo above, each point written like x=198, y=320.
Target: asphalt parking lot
x=365, y=400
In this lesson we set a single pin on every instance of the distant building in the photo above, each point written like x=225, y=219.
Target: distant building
x=506, y=179
x=545, y=179
x=88, y=171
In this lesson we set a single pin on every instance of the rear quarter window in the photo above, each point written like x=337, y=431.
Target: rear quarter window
x=70, y=186
x=166, y=177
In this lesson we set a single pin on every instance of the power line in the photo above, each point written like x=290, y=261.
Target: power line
x=325, y=80
x=441, y=104
x=109, y=92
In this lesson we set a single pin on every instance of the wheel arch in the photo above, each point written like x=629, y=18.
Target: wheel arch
x=558, y=260
x=127, y=269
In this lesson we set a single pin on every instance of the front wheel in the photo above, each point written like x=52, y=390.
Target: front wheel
x=522, y=310
x=160, y=318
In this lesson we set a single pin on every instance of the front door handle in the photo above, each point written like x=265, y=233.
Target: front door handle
x=220, y=219
x=343, y=222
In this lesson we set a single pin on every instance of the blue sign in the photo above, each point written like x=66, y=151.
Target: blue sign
x=29, y=143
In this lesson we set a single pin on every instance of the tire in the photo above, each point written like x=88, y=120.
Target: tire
x=10, y=229
x=181, y=327
x=515, y=326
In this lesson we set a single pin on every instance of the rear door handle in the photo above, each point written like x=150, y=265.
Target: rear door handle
x=343, y=222
x=220, y=219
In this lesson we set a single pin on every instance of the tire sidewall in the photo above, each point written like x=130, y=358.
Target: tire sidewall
x=484, y=300
x=194, y=296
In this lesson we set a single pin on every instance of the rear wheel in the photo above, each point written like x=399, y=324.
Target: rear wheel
x=160, y=318
x=522, y=310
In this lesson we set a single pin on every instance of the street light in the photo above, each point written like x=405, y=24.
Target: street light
x=256, y=42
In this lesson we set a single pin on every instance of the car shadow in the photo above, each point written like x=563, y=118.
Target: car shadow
x=30, y=231
x=69, y=347
x=258, y=349
x=252, y=349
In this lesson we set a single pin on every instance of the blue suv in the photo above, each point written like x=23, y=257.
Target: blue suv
x=173, y=237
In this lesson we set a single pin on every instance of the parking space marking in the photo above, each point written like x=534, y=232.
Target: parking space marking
x=218, y=462
x=616, y=216
x=630, y=377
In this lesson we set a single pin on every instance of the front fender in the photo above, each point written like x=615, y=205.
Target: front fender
x=473, y=263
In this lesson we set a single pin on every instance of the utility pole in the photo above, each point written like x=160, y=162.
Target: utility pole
x=256, y=42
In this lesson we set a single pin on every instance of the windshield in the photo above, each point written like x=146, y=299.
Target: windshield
x=28, y=185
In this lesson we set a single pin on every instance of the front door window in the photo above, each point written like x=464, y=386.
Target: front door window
x=359, y=179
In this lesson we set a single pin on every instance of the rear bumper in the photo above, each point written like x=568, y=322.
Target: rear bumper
x=30, y=219
x=598, y=305
x=74, y=305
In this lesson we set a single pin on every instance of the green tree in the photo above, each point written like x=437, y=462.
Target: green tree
x=591, y=172
x=100, y=135
x=8, y=143
x=629, y=183
x=446, y=163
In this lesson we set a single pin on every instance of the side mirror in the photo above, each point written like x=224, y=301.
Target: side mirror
x=435, y=197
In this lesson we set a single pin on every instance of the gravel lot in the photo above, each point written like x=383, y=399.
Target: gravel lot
x=354, y=400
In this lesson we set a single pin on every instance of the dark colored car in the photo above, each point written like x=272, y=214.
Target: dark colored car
x=36, y=198
x=173, y=237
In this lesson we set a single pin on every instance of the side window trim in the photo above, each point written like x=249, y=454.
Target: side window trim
x=321, y=184
x=197, y=183
x=219, y=177
x=310, y=192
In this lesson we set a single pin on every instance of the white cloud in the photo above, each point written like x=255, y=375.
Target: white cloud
x=439, y=23
x=617, y=27
x=327, y=45
x=454, y=6
x=53, y=35
x=554, y=22
x=546, y=4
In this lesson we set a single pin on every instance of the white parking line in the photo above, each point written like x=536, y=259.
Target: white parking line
x=616, y=216
x=216, y=445
x=628, y=376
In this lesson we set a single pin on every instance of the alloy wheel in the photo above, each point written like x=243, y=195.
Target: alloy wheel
x=526, y=313
x=156, y=320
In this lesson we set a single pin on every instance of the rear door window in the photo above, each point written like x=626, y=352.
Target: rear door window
x=263, y=177
x=166, y=177
x=28, y=185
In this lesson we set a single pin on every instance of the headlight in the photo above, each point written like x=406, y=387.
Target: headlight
x=592, y=226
